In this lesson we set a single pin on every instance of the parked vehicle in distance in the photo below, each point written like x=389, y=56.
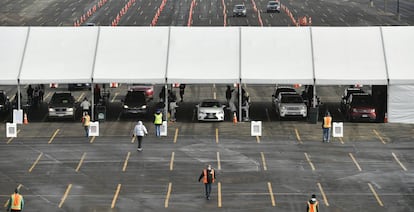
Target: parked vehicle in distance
x=360, y=106
x=210, y=110
x=135, y=102
x=62, y=105
x=79, y=86
x=239, y=10
x=291, y=104
x=278, y=90
x=345, y=96
x=273, y=6
x=4, y=103
x=147, y=89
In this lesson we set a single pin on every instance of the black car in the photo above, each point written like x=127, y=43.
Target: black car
x=79, y=86
x=62, y=105
x=135, y=102
x=4, y=103
x=345, y=96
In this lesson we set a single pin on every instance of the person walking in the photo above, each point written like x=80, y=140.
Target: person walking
x=85, y=105
x=228, y=94
x=140, y=131
x=16, y=202
x=158, y=122
x=173, y=110
x=182, y=89
x=86, y=121
x=326, y=127
x=209, y=176
x=312, y=204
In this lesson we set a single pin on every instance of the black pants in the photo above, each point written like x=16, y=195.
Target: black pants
x=139, y=141
x=208, y=189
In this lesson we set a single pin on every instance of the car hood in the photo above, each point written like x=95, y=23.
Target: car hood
x=134, y=104
x=210, y=109
x=61, y=105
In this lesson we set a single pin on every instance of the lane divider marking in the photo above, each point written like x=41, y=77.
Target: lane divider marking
x=167, y=197
x=176, y=135
x=118, y=189
x=115, y=95
x=172, y=161
x=341, y=140
x=298, y=136
x=399, y=162
x=218, y=161
x=268, y=115
x=263, y=161
x=272, y=197
x=323, y=195
x=133, y=139
x=92, y=139
x=217, y=138
x=376, y=195
x=53, y=136
x=379, y=136
x=34, y=164
x=80, y=97
x=65, y=195
x=80, y=162
x=219, y=195
x=126, y=162
x=11, y=139
x=355, y=161
x=258, y=139
x=309, y=161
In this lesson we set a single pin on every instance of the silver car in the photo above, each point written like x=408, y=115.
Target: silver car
x=239, y=10
x=291, y=104
x=273, y=6
x=210, y=110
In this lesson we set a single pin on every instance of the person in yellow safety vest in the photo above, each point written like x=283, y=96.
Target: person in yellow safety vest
x=86, y=120
x=312, y=204
x=326, y=127
x=16, y=202
x=209, y=176
x=158, y=122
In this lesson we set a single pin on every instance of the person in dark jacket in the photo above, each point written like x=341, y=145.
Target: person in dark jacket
x=312, y=205
x=209, y=176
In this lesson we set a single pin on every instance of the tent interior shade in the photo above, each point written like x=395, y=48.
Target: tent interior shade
x=12, y=43
x=348, y=55
x=399, y=51
x=267, y=57
x=131, y=55
x=59, y=55
x=203, y=55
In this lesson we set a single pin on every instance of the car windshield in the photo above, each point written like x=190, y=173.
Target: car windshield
x=292, y=99
x=349, y=92
x=135, y=96
x=210, y=104
x=362, y=101
x=61, y=99
x=279, y=90
x=239, y=7
x=272, y=3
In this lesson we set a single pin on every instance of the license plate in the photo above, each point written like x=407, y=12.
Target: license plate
x=364, y=115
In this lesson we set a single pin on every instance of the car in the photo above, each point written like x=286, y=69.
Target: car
x=4, y=102
x=239, y=10
x=135, y=102
x=79, y=86
x=273, y=6
x=210, y=110
x=360, y=106
x=291, y=104
x=278, y=90
x=62, y=105
x=147, y=89
x=347, y=93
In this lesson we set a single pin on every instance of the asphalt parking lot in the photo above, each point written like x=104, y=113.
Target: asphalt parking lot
x=369, y=169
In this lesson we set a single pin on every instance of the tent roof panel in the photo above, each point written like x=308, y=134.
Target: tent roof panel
x=12, y=42
x=203, y=55
x=131, y=55
x=399, y=51
x=276, y=55
x=348, y=55
x=59, y=55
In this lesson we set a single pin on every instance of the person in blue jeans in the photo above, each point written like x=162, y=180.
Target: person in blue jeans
x=326, y=127
x=158, y=123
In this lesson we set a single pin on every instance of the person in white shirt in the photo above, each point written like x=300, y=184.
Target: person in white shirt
x=85, y=105
x=140, y=131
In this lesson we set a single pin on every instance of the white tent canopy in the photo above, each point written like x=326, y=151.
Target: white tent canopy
x=276, y=55
x=399, y=51
x=12, y=43
x=131, y=55
x=348, y=56
x=204, y=55
x=59, y=55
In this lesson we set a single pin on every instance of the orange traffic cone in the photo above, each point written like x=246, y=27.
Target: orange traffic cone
x=25, y=121
x=234, y=118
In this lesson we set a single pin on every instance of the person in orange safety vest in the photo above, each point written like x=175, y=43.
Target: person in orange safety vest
x=326, y=126
x=312, y=204
x=208, y=175
x=16, y=202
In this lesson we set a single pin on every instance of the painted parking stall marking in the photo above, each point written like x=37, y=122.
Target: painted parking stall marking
x=118, y=189
x=263, y=161
x=309, y=161
x=53, y=136
x=167, y=197
x=355, y=161
x=375, y=194
x=172, y=161
x=37, y=161
x=272, y=196
x=65, y=195
x=379, y=137
x=80, y=162
x=126, y=162
x=298, y=136
x=399, y=162
x=325, y=199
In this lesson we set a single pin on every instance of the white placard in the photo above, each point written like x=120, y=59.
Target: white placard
x=256, y=128
x=18, y=116
x=11, y=130
x=94, y=129
x=163, y=128
x=338, y=129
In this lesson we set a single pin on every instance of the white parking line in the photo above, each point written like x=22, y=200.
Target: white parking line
x=398, y=161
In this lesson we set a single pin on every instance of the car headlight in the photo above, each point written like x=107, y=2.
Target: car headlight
x=51, y=109
x=354, y=110
x=125, y=106
x=372, y=110
x=303, y=107
x=201, y=112
x=220, y=113
x=143, y=107
x=70, y=109
x=283, y=108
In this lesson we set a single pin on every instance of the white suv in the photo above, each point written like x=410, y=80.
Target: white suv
x=291, y=104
